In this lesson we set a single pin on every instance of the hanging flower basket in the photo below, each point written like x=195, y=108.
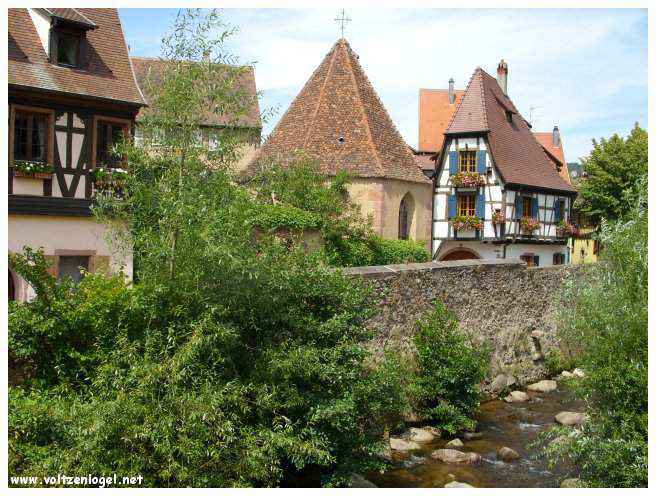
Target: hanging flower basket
x=529, y=224
x=498, y=218
x=463, y=222
x=565, y=229
x=36, y=170
x=467, y=180
x=108, y=179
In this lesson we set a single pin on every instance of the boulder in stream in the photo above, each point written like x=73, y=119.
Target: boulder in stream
x=455, y=456
x=398, y=444
x=507, y=454
x=545, y=386
x=454, y=443
x=422, y=434
x=516, y=397
x=469, y=436
x=457, y=484
x=571, y=419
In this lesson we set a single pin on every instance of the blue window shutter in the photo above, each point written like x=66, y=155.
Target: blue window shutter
x=481, y=163
x=518, y=206
x=453, y=163
x=536, y=260
x=534, y=208
x=480, y=206
x=557, y=212
x=453, y=204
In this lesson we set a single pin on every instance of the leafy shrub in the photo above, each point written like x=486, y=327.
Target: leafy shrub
x=607, y=323
x=394, y=251
x=449, y=370
x=271, y=217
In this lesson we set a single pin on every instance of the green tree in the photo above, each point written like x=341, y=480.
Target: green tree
x=613, y=167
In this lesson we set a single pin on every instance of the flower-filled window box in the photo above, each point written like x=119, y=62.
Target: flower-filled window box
x=529, y=224
x=565, y=229
x=464, y=222
x=108, y=179
x=36, y=170
x=467, y=180
x=498, y=217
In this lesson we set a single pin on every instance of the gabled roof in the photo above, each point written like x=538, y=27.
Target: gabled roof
x=148, y=69
x=556, y=151
x=70, y=15
x=108, y=74
x=516, y=152
x=339, y=120
x=435, y=113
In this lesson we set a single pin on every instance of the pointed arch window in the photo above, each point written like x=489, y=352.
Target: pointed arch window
x=405, y=216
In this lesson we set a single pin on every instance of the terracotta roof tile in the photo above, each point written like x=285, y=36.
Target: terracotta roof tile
x=435, y=113
x=148, y=67
x=516, y=152
x=339, y=120
x=72, y=15
x=546, y=140
x=108, y=74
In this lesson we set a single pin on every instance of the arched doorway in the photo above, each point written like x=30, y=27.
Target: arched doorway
x=459, y=254
x=406, y=211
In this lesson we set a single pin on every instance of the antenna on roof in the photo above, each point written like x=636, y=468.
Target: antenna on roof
x=342, y=21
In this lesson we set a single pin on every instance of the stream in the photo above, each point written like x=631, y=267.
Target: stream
x=515, y=425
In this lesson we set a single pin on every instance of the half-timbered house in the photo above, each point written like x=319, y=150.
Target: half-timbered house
x=498, y=192
x=72, y=97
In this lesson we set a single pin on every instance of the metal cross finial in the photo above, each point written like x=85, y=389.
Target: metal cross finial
x=343, y=20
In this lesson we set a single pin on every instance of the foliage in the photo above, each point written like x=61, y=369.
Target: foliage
x=498, y=217
x=28, y=167
x=564, y=228
x=108, y=177
x=466, y=222
x=467, y=180
x=272, y=217
x=607, y=323
x=613, y=167
x=449, y=370
x=529, y=224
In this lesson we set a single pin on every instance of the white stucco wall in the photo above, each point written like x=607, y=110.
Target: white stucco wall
x=492, y=251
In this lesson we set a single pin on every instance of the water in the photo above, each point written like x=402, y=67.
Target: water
x=515, y=425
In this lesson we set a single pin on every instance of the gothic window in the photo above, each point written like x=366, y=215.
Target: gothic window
x=405, y=216
x=467, y=161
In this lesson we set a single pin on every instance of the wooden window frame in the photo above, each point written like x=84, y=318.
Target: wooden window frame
x=127, y=123
x=469, y=165
x=58, y=32
x=470, y=210
x=527, y=212
x=50, y=130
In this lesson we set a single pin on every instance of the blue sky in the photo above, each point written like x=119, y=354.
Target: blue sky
x=583, y=69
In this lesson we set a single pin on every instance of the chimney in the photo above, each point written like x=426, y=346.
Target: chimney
x=452, y=93
x=502, y=76
x=555, y=136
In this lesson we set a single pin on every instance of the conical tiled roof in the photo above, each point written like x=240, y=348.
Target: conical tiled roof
x=519, y=157
x=339, y=120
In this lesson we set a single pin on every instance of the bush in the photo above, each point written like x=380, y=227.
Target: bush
x=449, y=371
x=272, y=217
x=395, y=251
x=607, y=323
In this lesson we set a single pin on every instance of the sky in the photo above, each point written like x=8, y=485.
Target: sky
x=584, y=70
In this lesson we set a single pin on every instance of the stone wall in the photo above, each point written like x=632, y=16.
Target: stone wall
x=501, y=302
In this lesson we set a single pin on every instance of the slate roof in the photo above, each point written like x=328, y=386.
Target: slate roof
x=339, y=120
x=435, y=113
x=516, y=152
x=108, y=74
x=148, y=69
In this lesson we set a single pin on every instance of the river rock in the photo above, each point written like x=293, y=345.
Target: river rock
x=501, y=382
x=574, y=482
x=565, y=375
x=457, y=484
x=469, y=436
x=578, y=373
x=455, y=456
x=570, y=418
x=356, y=480
x=507, y=454
x=398, y=444
x=421, y=435
x=516, y=397
x=454, y=443
x=545, y=386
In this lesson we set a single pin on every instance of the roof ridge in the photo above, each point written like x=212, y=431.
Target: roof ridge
x=480, y=75
x=453, y=116
x=364, y=114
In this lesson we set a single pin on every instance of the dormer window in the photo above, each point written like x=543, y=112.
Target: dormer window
x=508, y=115
x=66, y=46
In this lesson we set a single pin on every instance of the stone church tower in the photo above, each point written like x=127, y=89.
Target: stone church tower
x=338, y=120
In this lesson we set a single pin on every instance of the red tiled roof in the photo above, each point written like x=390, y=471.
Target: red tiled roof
x=108, y=74
x=72, y=15
x=435, y=113
x=339, y=120
x=546, y=140
x=148, y=70
x=516, y=152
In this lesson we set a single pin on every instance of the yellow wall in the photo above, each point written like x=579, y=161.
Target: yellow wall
x=583, y=249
